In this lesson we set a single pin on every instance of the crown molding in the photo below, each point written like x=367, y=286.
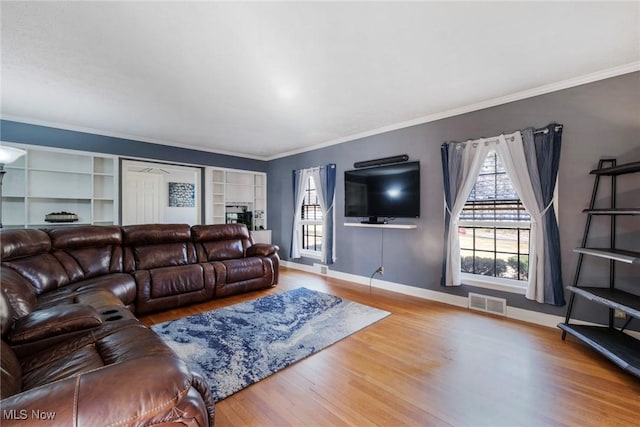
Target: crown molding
x=518, y=96
x=65, y=126
x=530, y=93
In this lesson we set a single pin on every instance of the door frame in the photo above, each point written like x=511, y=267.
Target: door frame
x=198, y=180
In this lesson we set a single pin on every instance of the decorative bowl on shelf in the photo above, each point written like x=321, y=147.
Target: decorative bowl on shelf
x=61, y=217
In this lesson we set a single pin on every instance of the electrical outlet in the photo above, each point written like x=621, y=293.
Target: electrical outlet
x=381, y=270
x=619, y=314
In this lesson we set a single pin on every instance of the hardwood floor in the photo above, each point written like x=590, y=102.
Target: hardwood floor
x=430, y=364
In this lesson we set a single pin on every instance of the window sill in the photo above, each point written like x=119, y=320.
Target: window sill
x=485, y=282
x=311, y=254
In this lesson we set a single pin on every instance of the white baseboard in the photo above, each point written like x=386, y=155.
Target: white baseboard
x=428, y=294
x=529, y=316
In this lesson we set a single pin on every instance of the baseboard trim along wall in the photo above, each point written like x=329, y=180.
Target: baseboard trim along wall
x=529, y=316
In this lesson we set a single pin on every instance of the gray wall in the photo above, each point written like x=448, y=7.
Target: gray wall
x=601, y=119
x=24, y=133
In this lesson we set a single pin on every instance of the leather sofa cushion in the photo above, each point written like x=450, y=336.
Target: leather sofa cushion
x=216, y=232
x=221, y=241
x=58, y=257
x=61, y=366
x=43, y=271
x=170, y=287
x=10, y=372
x=87, y=251
x=18, y=292
x=243, y=269
x=162, y=255
x=84, y=263
x=85, y=236
x=218, y=251
x=6, y=314
x=98, y=298
x=57, y=320
x=122, y=285
x=122, y=376
x=262, y=249
x=88, y=352
x=176, y=280
x=150, y=234
x=23, y=243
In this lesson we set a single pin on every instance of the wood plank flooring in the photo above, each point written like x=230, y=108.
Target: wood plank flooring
x=430, y=364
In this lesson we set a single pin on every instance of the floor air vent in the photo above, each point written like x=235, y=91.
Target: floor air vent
x=488, y=304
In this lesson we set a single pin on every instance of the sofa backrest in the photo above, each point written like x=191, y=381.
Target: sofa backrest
x=51, y=258
x=10, y=372
x=219, y=242
x=28, y=252
x=151, y=246
x=87, y=251
x=6, y=315
x=10, y=369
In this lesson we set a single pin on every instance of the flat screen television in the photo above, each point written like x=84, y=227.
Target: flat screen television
x=383, y=192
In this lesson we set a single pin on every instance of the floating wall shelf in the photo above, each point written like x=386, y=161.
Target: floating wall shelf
x=397, y=226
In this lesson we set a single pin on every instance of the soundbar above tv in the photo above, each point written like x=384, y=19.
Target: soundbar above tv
x=383, y=192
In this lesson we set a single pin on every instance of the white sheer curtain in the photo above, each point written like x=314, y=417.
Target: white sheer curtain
x=471, y=159
x=511, y=151
x=300, y=176
x=515, y=164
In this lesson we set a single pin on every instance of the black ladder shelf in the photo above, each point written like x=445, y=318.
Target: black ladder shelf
x=610, y=341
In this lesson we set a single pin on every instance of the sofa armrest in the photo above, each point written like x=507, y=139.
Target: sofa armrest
x=53, y=321
x=262, y=249
x=200, y=385
x=142, y=391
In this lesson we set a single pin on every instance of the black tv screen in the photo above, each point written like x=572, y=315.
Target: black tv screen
x=389, y=191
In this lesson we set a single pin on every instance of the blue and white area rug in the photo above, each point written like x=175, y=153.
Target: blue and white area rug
x=236, y=346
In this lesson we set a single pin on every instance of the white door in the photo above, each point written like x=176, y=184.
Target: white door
x=143, y=194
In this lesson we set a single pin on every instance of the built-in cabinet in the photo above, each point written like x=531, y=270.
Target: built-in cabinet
x=46, y=181
x=238, y=196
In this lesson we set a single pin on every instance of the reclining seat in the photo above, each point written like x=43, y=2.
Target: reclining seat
x=240, y=265
x=123, y=375
x=41, y=268
x=162, y=260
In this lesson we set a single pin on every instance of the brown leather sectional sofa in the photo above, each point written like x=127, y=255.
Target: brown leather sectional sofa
x=72, y=348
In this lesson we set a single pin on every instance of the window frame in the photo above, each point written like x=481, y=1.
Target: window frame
x=310, y=253
x=492, y=282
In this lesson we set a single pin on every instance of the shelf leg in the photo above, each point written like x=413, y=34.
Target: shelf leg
x=626, y=324
x=568, y=316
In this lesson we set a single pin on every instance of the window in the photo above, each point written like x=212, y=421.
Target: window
x=311, y=221
x=494, y=227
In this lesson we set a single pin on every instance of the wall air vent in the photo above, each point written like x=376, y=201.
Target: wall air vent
x=488, y=304
x=321, y=269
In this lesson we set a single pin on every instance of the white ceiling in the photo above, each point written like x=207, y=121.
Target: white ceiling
x=264, y=79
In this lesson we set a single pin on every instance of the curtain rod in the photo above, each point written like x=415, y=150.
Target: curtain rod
x=511, y=138
x=545, y=130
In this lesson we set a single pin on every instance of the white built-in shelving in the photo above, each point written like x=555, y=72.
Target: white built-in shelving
x=232, y=190
x=48, y=180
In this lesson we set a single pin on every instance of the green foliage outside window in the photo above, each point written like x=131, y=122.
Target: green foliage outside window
x=484, y=266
